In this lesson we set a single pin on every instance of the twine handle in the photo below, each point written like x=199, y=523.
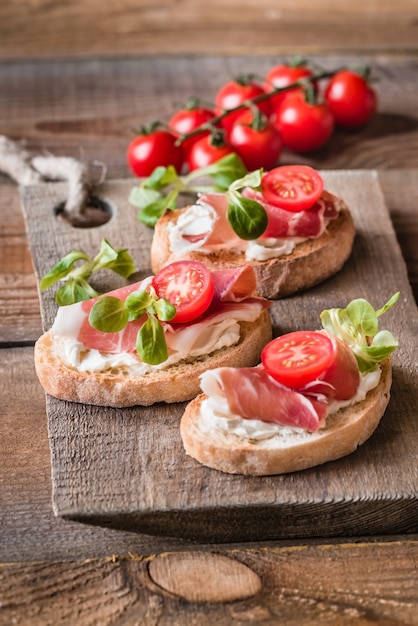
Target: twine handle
x=26, y=169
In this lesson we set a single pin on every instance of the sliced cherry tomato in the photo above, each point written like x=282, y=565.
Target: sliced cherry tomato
x=303, y=124
x=298, y=358
x=235, y=93
x=154, y=148
x=292, y=187
x=208, y=150
x=187, y=120
x=283, y=75
x=188, y=285
x=256, y=141
x=351, y=99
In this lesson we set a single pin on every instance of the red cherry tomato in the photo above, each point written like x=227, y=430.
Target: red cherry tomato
x=235, y=93
x=256, y=141
x=188, y=285
x=148, y=151
x=292, y=187
x=283, y=75
x=298, y=358
x=351, y=99
x=304, y=127
x=189, y=119
x=208, y=150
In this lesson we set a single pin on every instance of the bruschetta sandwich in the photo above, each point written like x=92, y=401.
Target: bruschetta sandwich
x=307, y=236
x=149, y=342
x=315, y=397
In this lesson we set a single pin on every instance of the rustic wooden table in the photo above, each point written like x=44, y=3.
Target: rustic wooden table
x=78, y=92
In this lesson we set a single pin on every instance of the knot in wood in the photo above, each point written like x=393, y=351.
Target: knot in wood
x=204, y=577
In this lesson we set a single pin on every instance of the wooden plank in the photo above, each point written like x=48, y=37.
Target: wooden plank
x=76, y=28
x=127, y=468
x=337, y=584
x=53, y=570
x=19, y=302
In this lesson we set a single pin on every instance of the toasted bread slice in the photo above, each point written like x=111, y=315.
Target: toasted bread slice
x=344, y=431
x=121, y=388
x=311, y=262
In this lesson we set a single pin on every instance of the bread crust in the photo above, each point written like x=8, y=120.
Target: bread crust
x=178, y=383
x=344, y=432
x=311, y=262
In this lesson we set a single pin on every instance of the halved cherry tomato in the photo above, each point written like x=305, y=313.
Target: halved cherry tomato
x=292, y=187
x=298, y=358
x=188, y=285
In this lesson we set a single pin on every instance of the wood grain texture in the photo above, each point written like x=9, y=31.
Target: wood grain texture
x=348, y=584
x=88, y=109
x=49, y=28
x=97, y=452
x=59, y=571
x=18, y=287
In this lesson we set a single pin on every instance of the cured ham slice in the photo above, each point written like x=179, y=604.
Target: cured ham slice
x=221, y=233
x=252, y=394
x=310, y=223
x=341, y=380
x=234, y=299
x=217, y=232
x=234, y=284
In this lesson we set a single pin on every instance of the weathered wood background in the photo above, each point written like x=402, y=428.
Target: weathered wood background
x=51, y=28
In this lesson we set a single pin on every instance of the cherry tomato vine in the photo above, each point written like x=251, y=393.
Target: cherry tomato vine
x=296, y=105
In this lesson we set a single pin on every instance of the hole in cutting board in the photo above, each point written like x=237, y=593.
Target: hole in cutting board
x=96, y=213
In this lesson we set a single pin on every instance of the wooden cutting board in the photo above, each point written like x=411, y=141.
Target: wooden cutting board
x=126, y=468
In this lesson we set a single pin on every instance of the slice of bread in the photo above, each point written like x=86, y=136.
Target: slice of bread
x=344, y=431
x=121, y=388
x=311, y=262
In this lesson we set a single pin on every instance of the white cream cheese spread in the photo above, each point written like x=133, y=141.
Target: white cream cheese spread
x=216, y=336
x=194, y=226
x=215, y=415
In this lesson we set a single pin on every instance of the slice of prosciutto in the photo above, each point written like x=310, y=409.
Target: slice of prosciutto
x=234, y=298
x=205, y=227
x=252, y=394
x=310, y=223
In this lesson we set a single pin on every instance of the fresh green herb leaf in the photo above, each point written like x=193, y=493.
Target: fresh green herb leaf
x=247, y=217
x=137, y=303
x=164, y=310
x=108, y=314
x=251, y=179
x=119, y=261
x=76, y=277
x=140, y=196
x=160, y=191
x=223, y=173
x=74, y=290
x=357, y=325
x=150, y=342
x=62, y=268
x=151, y=213
x=161, y=177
